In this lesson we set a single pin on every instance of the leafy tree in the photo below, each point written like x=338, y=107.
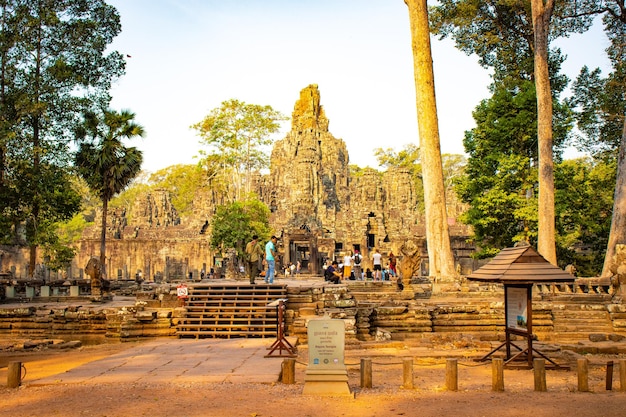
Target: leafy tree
x=601, y=105
x=441, y=261
x=512, y=37
x=102, y=159
x=584, y=197
x=501, y=172
x=53, y=65
x=234, y=224
x=409, y=158
x=237, y=133
x=182, y=182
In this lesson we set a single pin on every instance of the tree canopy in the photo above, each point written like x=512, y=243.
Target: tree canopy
x=237, y=134
x=234, y=224
x=54, y=64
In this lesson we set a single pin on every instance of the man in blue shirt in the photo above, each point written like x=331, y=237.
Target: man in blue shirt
x=270, y=257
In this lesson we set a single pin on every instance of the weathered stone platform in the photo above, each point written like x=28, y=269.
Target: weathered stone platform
x=372, y=312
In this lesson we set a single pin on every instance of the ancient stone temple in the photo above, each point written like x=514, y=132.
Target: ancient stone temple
x=319, y=208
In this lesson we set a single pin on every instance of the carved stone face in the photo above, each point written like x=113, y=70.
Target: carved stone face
x=409, y=248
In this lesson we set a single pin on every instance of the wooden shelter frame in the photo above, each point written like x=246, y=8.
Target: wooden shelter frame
x=518, y=269
x=526, y=330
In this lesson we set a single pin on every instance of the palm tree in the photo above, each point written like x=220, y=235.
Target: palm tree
x=104, y=162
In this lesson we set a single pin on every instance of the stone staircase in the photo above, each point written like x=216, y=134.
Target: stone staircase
x=229, y=310
x=575, y=321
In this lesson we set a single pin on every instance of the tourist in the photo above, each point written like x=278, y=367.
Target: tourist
x=332, y=274
x=378, y=266
x=347, y=265
x=392, y=264
x=356, y=262
x=368, y=274
x=254, y=254
x=270, y=258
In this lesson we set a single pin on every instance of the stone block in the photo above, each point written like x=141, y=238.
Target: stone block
x=30, y=292
x=145, y=315
x=74, y=291
x=10, y=291
x=598, y=337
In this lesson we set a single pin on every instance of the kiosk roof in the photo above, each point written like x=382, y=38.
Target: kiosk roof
x=520, y=265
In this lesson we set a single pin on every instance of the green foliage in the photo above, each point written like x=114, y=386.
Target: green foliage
x=237, y=135
x=233, y=225
x=58, y=256
x=183, y=182
x=71, y=231
x=584, y=202
x=601, y=106
x=130, y=195
x=409, y=158
x=102, y=160
x=502, y=205
x=53, y=66
x=500, y=33
x=501, y=176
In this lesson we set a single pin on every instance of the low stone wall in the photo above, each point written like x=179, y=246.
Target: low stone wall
x=370, y=310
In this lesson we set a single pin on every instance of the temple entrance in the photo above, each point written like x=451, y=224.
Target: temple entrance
x=301, y=247
x=300, y=251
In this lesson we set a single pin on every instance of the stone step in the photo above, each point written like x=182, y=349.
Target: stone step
x=233, y=310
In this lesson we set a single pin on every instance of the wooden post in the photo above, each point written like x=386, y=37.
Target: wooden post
x=539, y=368
x=289, y=371
x=452, y=375
x=609, y=375
x=407, y=373
x=497, y=374
x=622, y=374
x=14, y=374
x=366, y=373
x=582, y=367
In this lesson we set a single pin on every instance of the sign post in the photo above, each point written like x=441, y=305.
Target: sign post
x=183, y=293
x=326, y=373
x=518, y=311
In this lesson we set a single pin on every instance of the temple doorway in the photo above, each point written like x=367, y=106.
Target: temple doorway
x=301, y=247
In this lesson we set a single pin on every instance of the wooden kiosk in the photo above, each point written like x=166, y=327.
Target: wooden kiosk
x=519, y=268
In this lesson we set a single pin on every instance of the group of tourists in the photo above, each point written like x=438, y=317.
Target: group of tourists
x=261, y=259
x=349, y=267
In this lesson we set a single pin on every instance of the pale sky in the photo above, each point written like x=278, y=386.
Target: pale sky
x=188, y=56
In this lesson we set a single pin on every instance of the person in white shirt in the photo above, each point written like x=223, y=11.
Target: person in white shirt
x=347, y=265
x=377, y=261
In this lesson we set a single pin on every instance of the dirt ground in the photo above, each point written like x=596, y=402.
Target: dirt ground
x=429, y=396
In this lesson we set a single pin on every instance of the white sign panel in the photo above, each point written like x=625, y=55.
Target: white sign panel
x=517, y=306
x=326, y=339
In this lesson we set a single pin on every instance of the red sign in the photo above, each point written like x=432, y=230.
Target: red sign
x=182, y=291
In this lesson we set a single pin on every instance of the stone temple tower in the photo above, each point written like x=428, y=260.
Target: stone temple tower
x=309, y=178
x=309, y=169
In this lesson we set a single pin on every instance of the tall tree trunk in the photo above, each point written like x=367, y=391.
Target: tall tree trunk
x=103, y=237
x=541, y=15
x=36, y=208
x=441, y=261
x=618, y=222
